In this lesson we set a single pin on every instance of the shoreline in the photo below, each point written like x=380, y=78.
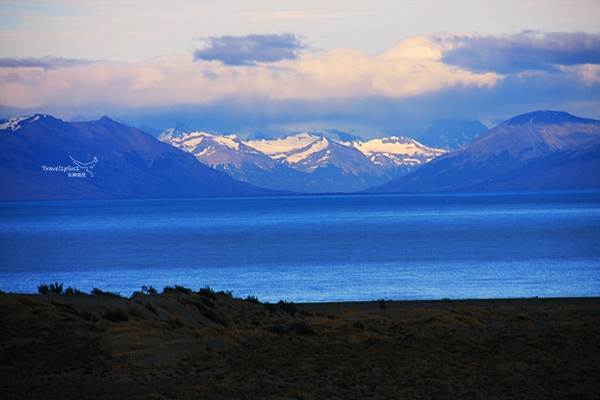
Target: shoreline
x=491, y=302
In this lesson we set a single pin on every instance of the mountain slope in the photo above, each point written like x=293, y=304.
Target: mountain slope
x=397, y=155
x=42, y=158
x=450, y=134
x=539, y=150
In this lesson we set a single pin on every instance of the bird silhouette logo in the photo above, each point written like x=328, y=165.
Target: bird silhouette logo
x=86, y=166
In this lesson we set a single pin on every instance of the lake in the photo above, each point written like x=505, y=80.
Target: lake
x=312, y=248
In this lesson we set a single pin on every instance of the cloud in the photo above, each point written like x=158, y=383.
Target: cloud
x=340, y=89
x=250, y=49
x=46, y=63
x=506, y=54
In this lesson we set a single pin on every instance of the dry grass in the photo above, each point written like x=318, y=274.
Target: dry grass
x=51, y=347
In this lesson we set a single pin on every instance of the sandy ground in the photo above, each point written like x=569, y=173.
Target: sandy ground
x=207, y=345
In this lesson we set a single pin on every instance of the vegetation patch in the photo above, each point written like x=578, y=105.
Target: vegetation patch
x=116, y=315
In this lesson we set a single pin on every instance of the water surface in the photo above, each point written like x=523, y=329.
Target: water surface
x=312, y=248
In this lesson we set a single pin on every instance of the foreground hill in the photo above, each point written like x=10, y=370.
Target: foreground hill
x=187, y=345
x=542, y=150
x=44, y=158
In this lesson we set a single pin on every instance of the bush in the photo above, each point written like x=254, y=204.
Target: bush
x=303, y=329
x=149, y=290
x=52, y=288
x=176, y=322
x=289, y=308
x=382, y=304
x=176, y=289
x=207, y=302
x=71, y=290
x=89, y=316
x=98, y=292
x=252, y=299
x=208, y=292
x=210, y=314
x=151, y=308
x=116, y=315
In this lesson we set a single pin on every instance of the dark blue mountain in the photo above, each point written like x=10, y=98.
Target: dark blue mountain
x=536, y=151
x=547, y=118
x=44, y=158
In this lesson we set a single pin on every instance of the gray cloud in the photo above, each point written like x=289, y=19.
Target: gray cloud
x=250, y=49
x=525, y=51
x=46, y=62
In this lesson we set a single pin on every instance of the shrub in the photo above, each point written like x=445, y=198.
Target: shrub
x=277, y=329
x=208, y=292
x=207, y=302
x=149, y=290
x=176, y=322
x=89, y=316
x=98, y=292
x=177, y=289
x=56, y=288
x=289, y=308
x=43, y=289
x=303, y=329
x=151, y=308
x=210, y=314
x=359, y=325
x=116, y=315
x=52, y=288
x=271, y=307
x=134, y=313
x=252, y=299
x=71, y=290
x=382, y=304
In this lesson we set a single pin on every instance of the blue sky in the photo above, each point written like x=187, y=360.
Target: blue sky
x=371, y=68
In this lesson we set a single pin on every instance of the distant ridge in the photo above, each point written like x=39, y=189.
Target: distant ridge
x=547, y=118
x=535, y=151
x=306, y=162
x=44, y=158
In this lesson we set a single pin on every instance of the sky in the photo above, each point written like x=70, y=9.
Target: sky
x=264, y=68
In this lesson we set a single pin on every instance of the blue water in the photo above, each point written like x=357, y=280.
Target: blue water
x=312, y=248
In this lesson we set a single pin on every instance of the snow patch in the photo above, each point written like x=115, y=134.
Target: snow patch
x=316, y=147
x=278, y=146
x=15, y=123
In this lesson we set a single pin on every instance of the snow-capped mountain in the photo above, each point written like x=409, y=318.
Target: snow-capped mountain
x=306, y=162
x=397, y=155
x=15, y=123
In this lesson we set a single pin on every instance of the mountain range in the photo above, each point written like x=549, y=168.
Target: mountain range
x=44, y=158
x=306, y=162
x=542, y=150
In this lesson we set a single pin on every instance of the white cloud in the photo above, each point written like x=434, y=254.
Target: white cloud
x=410, y=68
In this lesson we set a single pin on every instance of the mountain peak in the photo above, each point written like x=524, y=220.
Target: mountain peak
x=547, y=117
x=15, y=123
